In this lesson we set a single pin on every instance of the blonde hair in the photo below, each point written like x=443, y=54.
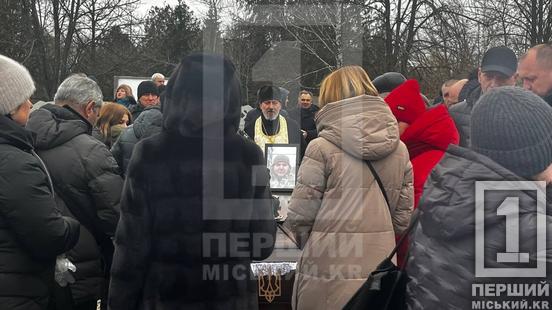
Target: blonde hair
x=111, y=114
x=156, y=76
x=127, y=89
x=346, y=82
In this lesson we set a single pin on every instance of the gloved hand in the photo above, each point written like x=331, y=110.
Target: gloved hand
x=64, y=269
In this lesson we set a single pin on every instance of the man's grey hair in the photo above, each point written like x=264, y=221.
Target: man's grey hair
x=156, y=76
x=79, y=90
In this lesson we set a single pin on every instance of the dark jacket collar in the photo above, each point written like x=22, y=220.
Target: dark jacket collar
x=73, y=116
x=308, y=112
x=474, y=95
x=55, y=125
x=14, y=134
x=548, y=98
x=313, y=108
x=136, y=108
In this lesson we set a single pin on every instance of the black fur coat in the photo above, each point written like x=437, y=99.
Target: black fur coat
x=193, y=216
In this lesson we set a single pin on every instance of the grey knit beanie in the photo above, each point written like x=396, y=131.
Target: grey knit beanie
x=16, y=85
x=513, y=127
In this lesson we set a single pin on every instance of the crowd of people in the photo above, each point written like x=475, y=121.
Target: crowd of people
x=162, y=202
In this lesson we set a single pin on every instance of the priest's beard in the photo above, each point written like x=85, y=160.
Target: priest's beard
x=271, y=116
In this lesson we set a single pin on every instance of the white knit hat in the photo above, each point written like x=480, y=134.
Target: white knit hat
x=16, y=85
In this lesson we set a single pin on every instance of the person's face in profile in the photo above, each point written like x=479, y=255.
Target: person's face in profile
x=281, y=168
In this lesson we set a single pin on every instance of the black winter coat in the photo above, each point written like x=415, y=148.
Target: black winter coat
x=176, y=241
x=442, y=250
x=461, y=114
x=32, y=231
x=147, y=124
x=88, y=184
x=305, y=117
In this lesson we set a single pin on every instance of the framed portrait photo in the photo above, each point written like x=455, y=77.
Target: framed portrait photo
x=281, y=161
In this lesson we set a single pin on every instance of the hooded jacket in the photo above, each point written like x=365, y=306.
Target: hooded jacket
x=88, y=185
x=32, y=231
x=427, y=139
x=190, y=191
x=427, y=136
x=429, y=131
x=442, y=260
x=338, y=207
x=147, y=124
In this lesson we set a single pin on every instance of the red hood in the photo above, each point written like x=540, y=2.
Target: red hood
x=434, y=129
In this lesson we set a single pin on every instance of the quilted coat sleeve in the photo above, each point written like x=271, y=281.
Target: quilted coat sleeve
x=29, y=209
x=132, y=245
x=405, y=204
x=123, y=147
x=307, y=195
x=311, y=134
x=105, y=185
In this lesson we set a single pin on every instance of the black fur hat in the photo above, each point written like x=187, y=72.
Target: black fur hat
x=204, y=91
x=268, y=92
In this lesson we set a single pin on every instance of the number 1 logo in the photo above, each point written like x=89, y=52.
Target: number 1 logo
x=510, y=208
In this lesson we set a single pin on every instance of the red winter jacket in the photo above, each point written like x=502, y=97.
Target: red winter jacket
x=427, y=138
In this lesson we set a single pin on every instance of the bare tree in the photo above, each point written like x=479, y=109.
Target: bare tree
x=536, y=19
x=446, y=46
x=397, y=24
x=64, y=29
x=98, y=19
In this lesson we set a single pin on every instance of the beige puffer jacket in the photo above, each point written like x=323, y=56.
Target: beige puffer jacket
x=338, y=205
